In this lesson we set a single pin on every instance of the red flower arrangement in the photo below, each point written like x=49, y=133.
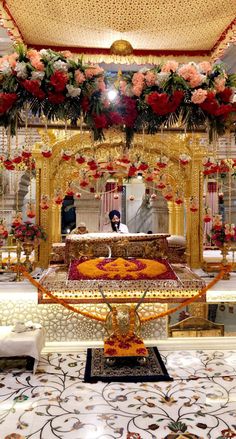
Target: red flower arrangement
x=29, y=232
x=223, y=233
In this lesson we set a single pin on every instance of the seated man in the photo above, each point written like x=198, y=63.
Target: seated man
x=81, y=229
x=116, y=225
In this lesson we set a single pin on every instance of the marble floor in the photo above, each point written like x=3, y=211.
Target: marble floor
x=56, y=403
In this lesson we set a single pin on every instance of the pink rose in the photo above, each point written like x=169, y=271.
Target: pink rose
x=79, y=77
x=196, y=80
x=199, y=96
x=138, y=79
x=205, y=67
x=220, y=83
x=137, y=90
x=150, y=78
x=187, y=71
x=170, y=66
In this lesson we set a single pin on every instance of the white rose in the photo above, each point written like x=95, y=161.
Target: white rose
x=60, y=65
x=37, y=75
x=21, y=71
x=73, y=91
x=162, y=77
x=46, y=54
x=5, y=68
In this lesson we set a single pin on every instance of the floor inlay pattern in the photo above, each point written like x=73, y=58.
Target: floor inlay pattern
x=55, y=403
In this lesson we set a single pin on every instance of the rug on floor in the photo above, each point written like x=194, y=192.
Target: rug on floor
x=125, y=369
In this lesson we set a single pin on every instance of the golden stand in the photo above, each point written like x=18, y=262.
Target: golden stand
x=28, y=247
x=224, y=262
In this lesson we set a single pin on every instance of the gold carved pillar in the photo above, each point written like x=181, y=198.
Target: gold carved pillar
x=194, y=219
x=43, y=217
x=171, y=211
x=56, y=223
x=179, y=219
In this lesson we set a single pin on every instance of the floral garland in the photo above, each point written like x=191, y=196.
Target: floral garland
x=57, y=86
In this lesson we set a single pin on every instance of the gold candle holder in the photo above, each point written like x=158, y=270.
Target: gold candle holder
x=28, y=247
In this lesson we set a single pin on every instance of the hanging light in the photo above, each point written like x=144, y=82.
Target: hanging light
x=121, y=48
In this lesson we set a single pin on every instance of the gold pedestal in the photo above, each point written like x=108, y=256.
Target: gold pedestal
x=224, y=262
x=28, y=247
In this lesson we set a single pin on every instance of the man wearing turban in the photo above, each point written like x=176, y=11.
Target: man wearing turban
x=116, y=225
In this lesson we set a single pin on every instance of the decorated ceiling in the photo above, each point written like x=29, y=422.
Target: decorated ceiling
x=173, y=26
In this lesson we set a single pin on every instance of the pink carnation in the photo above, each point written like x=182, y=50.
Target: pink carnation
x=12, y=59
x=150, y=78
x=205, y=67
x=79, y=77
x=137, y=90
x=199, y=96
x=138, y=79
x=196, y=80
x=66, y=54
x=220, y=83
x=93, y=71
x=170, y=66
x=35, y=59
x=187, y=71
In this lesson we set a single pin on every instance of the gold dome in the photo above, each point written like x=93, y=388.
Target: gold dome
x=121, y=47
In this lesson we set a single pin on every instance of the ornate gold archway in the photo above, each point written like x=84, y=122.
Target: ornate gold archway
x=54, y=173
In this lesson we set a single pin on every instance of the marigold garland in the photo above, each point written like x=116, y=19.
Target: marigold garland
x=188, y=301
x=60, y=301
x=143, y=320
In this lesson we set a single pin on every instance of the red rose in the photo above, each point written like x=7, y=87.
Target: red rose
x=56, y=98
x=47, y=154
x=9, y=165
x=143, y=167
x=225, y=95
x=132, y=171
x=224, y=110
x=33, y=87
x=6, y=101
x=162, y=103
x=100, y=120
x=17, y=159
x=85, y=104
x=59, y=80
x=210, y=105
x=115, y=118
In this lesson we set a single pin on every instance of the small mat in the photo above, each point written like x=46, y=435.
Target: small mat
x=125, y=369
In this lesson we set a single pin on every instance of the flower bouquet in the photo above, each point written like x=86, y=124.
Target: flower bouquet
x=29, y=232
x=222, y=233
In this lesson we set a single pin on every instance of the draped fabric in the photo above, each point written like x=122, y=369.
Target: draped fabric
x=108, y=203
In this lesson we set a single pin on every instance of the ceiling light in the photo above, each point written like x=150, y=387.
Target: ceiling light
x=121, y=48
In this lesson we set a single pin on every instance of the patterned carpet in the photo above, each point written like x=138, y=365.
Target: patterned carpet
x=55, y=403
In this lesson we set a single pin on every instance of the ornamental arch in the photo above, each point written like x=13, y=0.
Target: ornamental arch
x=55, y=174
